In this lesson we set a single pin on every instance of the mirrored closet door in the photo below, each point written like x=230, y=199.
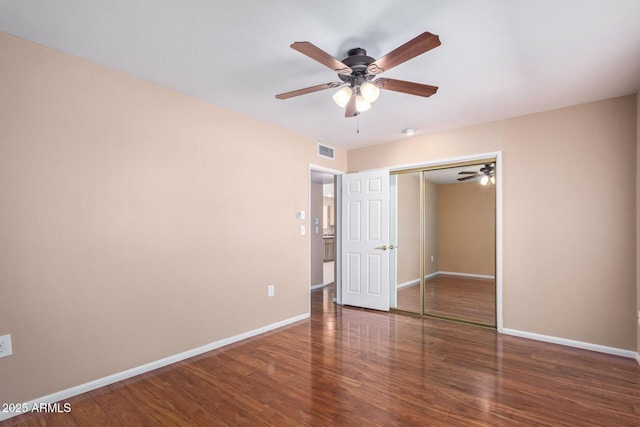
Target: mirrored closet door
x=407, y=230
x=445, y=228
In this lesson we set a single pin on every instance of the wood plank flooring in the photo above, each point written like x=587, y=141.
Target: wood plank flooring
x=463, y=298
x=352, y=367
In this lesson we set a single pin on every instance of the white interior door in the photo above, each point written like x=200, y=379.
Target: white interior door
x=365, y=239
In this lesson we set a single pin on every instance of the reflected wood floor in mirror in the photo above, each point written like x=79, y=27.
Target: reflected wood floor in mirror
x=352, y=367
x=464, y=298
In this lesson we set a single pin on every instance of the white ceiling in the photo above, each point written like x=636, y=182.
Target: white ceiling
x=498, y=58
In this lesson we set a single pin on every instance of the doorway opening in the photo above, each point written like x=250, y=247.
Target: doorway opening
x=323, y=224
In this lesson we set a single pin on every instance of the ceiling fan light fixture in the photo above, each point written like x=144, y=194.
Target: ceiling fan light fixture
x=358, y=71
x=343, y=96
x=369, y=92
x=493, y=179
x=361, y=104
x=484, y=180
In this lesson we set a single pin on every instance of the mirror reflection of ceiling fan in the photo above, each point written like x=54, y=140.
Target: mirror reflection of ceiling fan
x=486, y=174
x=358, y=72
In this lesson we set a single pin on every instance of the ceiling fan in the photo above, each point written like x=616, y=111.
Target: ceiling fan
x=486, y=173
x=358, y=72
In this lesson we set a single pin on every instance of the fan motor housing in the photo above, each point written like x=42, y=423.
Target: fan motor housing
x=358, y=60
x=487, y=168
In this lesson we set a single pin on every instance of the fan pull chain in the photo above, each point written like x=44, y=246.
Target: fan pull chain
x=358, y=123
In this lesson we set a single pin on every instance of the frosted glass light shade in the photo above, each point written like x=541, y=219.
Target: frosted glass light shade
x=484, y=180
x=361, y=104
x=342, y=96
x=369, y=92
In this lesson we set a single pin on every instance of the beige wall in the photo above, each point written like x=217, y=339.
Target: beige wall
x=136, y=223
x=568, y=215
x=638, y=221
x=467, y=228
x=316, y=242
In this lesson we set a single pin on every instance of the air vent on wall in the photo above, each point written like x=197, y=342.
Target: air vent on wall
x=325, y=151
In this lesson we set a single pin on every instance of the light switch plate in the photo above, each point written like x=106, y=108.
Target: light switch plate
x=5, y=346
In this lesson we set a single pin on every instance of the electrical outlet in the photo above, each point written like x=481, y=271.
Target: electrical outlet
x=271, y=290
x=5, y=346
x=638, y=317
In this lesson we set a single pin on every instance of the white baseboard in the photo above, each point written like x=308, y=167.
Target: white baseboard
x=638, y=358
x=476, y=276
x=111, y=379
x=409, y=283
x=314, y=287
x=571, y=343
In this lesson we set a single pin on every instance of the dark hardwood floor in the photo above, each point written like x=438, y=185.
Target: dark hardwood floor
x=352, y=367
x=463, y=298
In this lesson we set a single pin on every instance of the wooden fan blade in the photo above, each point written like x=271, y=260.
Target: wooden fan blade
x=467, y=173
x=350, y=110
x=406, y=87
x=308, y=90
x=417, y=46
x=467, y=177
x=314, y=52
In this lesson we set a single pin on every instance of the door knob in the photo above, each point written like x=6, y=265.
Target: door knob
x=381, y=248
x=391, y=247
